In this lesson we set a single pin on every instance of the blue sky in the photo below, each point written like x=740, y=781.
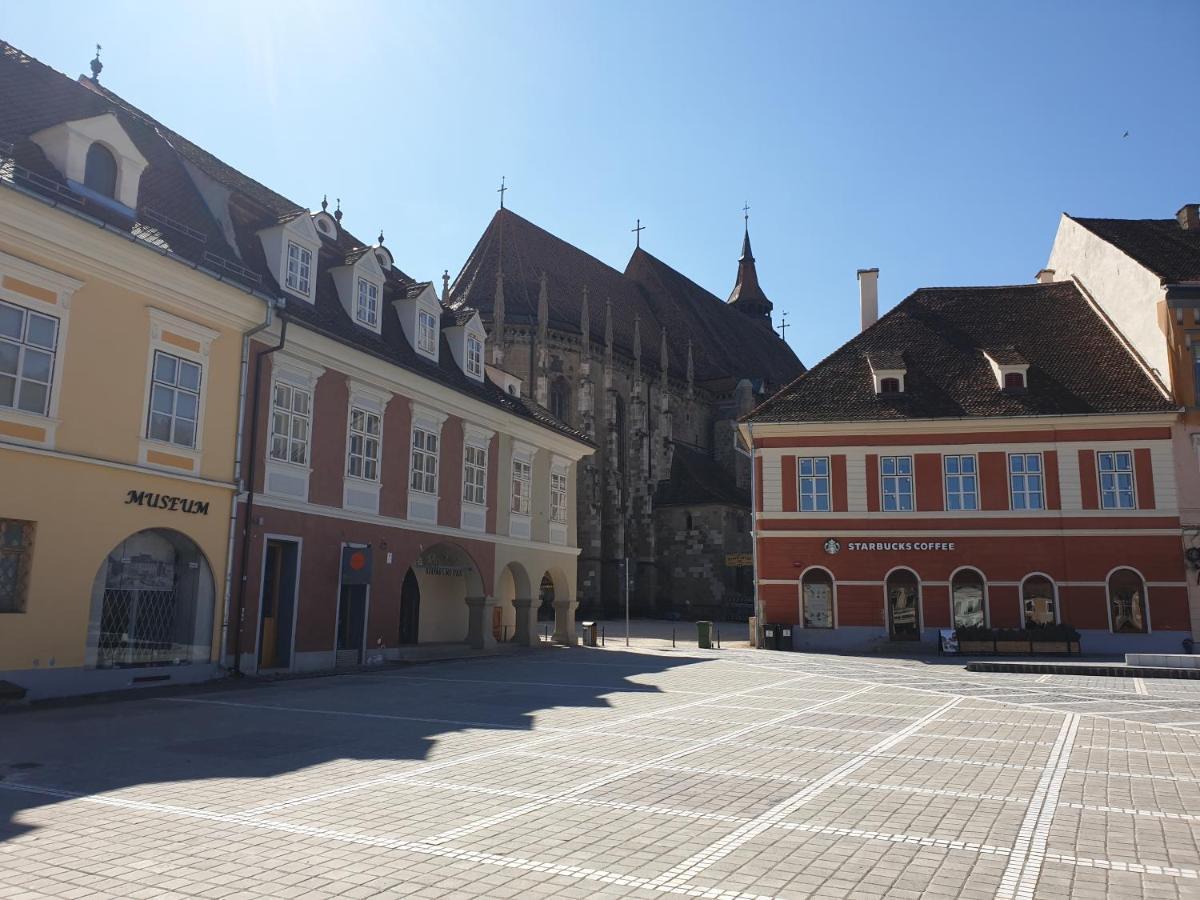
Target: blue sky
x=937, y=141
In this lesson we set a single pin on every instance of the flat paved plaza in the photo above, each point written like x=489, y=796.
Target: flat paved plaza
x=640, y=772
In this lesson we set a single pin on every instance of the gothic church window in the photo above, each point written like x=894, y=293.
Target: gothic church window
x=620, y=423
x=560, y=399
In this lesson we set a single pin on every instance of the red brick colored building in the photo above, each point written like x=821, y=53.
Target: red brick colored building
x=979, y=456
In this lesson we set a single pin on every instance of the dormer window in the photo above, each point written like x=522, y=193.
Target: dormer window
x=299, y=269
x=474, y=356
x=367, y=309
x=889, y=385
x=100, y=171
x=888, y=371
x=1014, y=381
x=1010, y=368
x=426, y=332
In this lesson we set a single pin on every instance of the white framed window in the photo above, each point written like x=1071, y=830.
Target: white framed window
x=423, y=475
x=1116, y=479
x=1026, y=488
x=426, y=332
x=367, y=307
x=474, y=475
x=558, y=497
x=962, y=483
x=174, y=400
x=28, y=348
x=291, y=423
x=522, y=486
x=474, y=356
x=812, y=483
x=299, y=269
x=896, y=475
x=362, y=456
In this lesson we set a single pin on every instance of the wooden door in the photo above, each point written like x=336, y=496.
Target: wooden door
x=268, y=648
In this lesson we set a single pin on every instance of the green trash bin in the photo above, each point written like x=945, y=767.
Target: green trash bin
x=704, y=635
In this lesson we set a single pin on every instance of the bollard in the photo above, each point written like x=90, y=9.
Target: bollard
x=504, y=635
x=672, y=636
x=601, y=635
x=546, y=633
x=718, y=638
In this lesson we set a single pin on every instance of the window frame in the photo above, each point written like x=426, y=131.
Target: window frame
x=426, y=335
x=158, y=353
x=833, y=616
x=24, y=346
x=522, y=477
x=910, y=475
x=475, y=475
x=103, y=191
x=983, y=587
x=371, y=305
x=291, y=413
x=1116, y=472
x=558, y=489
x=366, y=438
x=304, y=268
x=816, y=480
x=23, y=553
x=1108, y=600
x=1024, y=475
x=961, y=493
x=473, y=360
x=428, y=450
x=1054, y=598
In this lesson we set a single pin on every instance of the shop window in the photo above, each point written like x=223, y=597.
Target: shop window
x=966, y=598
x=1127, y=602
x=1039, y=601
x=896, y=472
x=903, y=605
x=1025, y=480
x=962, y=490
x=16, y=559
x=152, y=603
x=1116, y=479
x=813, y=483
x=816, y=590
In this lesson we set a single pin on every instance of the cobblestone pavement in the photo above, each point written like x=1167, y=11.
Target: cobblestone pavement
x=614, y=772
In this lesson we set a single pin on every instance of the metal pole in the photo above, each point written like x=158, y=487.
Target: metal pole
x=672, y=635
x=718, y=638
x=601, y=635
x=627, y=601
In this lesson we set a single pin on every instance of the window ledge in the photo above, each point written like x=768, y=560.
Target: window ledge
x=21, y=427
x=168, y=457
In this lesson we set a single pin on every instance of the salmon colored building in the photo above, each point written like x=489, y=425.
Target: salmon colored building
x=990, y=456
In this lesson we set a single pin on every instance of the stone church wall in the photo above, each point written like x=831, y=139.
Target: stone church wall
x=694, y=578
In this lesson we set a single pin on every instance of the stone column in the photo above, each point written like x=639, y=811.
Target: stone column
x=564, y=622
x=526, y=634
x=479, y=622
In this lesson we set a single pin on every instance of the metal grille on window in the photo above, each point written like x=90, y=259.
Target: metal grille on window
x=27, y=347
x=174, y=400
x=16, y=553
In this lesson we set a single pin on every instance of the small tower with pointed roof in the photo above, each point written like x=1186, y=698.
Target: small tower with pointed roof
x=748, y=296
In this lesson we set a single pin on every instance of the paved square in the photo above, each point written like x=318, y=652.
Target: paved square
x=641, y=772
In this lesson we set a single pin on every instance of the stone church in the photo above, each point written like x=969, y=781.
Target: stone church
x=655, y=370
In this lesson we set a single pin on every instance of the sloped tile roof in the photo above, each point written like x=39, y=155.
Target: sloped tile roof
x=1161, y=245
x=1077, y=365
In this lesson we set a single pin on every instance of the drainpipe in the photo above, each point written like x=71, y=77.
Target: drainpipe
x=752, y=453
x=251, y=474
x=237, y=463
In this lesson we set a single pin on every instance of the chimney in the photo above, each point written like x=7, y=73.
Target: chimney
x=1045, y=276
x=1189, y=217
x=868, y=296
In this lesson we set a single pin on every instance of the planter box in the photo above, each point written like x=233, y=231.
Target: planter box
x=975, y=647
x=1013, y=647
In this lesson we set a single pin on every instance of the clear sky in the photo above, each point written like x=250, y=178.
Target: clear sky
x=939, y=141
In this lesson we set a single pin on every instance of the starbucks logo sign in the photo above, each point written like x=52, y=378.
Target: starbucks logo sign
x=832, y=546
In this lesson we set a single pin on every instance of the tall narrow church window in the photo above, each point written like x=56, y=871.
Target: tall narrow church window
x=620, y=417
x=100, y=171
x=560, y=399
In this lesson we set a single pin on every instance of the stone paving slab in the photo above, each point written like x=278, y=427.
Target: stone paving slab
x=647, y=772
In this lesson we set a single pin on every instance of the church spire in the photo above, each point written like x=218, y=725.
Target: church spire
x=747, y=296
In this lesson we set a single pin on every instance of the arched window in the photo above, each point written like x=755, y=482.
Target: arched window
x=1038, y=601
x=689, y=521
x=620, y=422
x=560, y=400
x=889, y=385
x=1014, y=381
x=903, y=602
x=816, y=591
x=966, y=599
x=100, y=171
x=1127, y=602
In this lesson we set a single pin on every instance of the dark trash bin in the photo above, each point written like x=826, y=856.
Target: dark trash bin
x=770, y=637
x=785, y=638
x=589, y=634
x=704, y=635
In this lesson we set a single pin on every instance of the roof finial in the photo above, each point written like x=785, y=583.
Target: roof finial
x=638, y=231
x=380, y=237
x=337, y=213
x=445, y=285
x=324, y=203
x=501, y=191
x=97, y=66
x=746, y=215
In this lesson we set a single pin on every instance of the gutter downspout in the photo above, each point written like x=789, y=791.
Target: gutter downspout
x=251, y=473
x=237, y=465
x=752, y=453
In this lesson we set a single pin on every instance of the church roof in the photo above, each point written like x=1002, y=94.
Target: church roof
x=1077, y=364
x=747, y=294
x=725, y=342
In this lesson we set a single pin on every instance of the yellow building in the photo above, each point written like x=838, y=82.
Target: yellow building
x=122, y=333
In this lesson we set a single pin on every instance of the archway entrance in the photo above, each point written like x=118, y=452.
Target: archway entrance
x=152, y=603
x=545, y=610
x=410, y=608
x=904, y=606
x=515, y=616
x=449, y=590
